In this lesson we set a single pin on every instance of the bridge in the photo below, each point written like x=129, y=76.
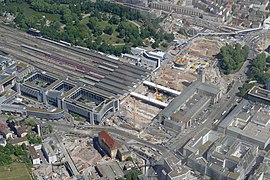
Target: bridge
x=221, y=34
x=162, y=88
x=13, y=108
x=149, y=100
x=66, y=164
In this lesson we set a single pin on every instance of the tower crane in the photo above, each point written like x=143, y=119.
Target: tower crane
x=134, y=111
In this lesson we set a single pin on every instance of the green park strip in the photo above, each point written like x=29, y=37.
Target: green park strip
x=14, y=171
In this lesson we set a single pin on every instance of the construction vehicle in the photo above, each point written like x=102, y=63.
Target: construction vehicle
x=158, y=96
x=203, y=63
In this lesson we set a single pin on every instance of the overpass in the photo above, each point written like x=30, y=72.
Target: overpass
x=222, y=34
x=69, y=162
x=162, y=88
x=13, y=108
x=149, y=100
x=66, y=164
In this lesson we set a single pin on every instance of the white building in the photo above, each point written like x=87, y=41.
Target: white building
x=34, y=156
x=3, y=141
x=49, y=153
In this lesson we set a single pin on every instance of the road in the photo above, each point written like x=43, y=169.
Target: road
x=93, y=130
x=13, y=42
x=67, y=156
x=225, y=104
x=252, y=40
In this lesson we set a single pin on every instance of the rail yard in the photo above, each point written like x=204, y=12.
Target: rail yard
x=116, y=77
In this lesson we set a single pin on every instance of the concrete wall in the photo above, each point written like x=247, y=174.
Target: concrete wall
x=46, y=115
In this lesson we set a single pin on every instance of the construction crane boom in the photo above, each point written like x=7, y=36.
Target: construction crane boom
x=158, y=96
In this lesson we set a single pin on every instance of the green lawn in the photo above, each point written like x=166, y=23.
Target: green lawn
x=30, y=12
x=85, y=20
x=107, y=38
x=111, y=39
x=14, y=171
x=103, y=24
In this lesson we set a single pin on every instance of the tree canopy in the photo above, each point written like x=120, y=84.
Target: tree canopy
x=7, y=152
x=105, y=18
x=258, y=72
x=258, y=69
x=232, y=57
x=132, y=175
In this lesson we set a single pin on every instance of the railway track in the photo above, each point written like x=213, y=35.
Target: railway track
x=14, y=40
x=112, y=75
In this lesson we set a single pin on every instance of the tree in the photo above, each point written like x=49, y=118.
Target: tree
x=244, y=89
x=182, y=31
x=97, y=30
x=258, y=68
x=108, y=30
x=122, y=33
x=33, y=139
x=114, y=20
x=164, y=44
x=268, y=7
x=129, y=158
x=268, y=59
x=260, y=62
x=5, y=159
x=121, y=178
x=50, y=128
x=92, y=22
x=132, y=175
x=10, y=153
x=232, y=57
x=169, y=37
x=72, y=30
x=30, y=122
x=155, y=45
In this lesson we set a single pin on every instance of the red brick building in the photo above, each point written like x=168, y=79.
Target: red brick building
x=108, y=144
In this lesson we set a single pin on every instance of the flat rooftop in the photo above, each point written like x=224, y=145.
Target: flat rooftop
x=47, y=147
x=190, y=91
x=260, y=92
x=4, y=61
x=110, y=170
x=177, y=168
x=41, y=80
x=87, y=97
x=64, y=86
x=261, y=118
x=33, y=152
x=257, y=132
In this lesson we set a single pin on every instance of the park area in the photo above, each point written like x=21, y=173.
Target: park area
x=103, y=26
x=14, y=171
x=28, y=12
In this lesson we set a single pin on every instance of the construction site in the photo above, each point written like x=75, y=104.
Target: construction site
x=142, y=106
x=82, y=151
x=204, y=48
x=191, y=64
x=175, y=79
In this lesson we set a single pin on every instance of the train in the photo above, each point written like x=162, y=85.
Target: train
x=34, y=32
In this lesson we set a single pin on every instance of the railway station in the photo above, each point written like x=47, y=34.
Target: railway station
x=113, y=76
